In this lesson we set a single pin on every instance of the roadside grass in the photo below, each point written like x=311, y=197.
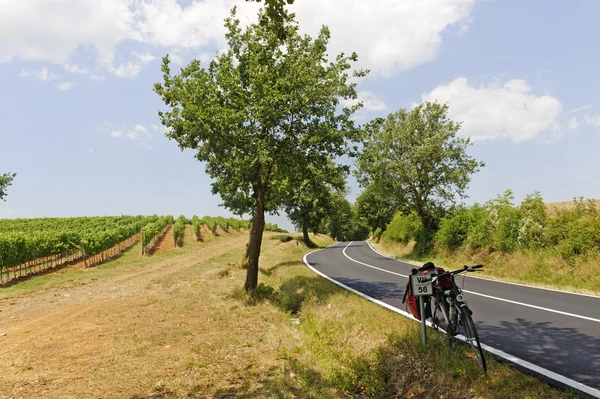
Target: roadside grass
x=190, y=331
x=541, y=268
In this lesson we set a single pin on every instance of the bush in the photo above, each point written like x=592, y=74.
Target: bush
x=454, y=230
x=403, y=227
x=534, y=220
x=481, y=234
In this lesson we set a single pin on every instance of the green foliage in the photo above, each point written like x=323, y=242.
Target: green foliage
x=534, y=220
x=197, y=225
x=499, y=225
x=575, y=232
x=376, y=208
x=150, y=230
x=311, y=197
x=343, y=223
x=259, y=113
x=23, y=240
x=403, y=228
x=454, y=230
x=415, y=159
x=275, y=15
x=5, y=181
x=178, y=229
x=274, y=227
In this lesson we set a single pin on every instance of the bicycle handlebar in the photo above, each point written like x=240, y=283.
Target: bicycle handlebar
x=464, y=269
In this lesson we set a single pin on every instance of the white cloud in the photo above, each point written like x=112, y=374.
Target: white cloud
x=74, y=68
x=42, y=74
x=593, y=120
x=41, y=30
x=370, y=101
x=144, y=58
x=573, y=123
x=389, y=36
x=496, y=111
x=91, y=151
x=137, y=133
x=64, y=86
x=127, y=70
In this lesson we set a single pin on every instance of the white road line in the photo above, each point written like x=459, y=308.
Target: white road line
x=479, y=294
x=513, y=359
x=488, y=279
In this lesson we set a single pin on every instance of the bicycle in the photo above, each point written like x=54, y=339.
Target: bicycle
x=450, y=313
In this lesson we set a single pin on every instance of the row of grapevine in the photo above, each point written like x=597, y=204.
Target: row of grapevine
x=197, y=225
x=153, y=232
x=30, y=244
x=178, y=228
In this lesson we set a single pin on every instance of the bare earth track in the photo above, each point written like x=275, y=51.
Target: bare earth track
x=86, y=337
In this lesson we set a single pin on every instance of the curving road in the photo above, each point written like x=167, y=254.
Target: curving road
x=551, y=333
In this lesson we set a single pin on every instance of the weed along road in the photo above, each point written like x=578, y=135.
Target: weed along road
x=551, y=333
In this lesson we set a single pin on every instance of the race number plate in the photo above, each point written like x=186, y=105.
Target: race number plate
x=420, y=284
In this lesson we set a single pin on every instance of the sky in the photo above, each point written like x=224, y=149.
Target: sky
x=81, y=130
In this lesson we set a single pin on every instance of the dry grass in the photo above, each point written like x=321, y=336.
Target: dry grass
x=553, y=207
x=538, y=268
x=170, y=327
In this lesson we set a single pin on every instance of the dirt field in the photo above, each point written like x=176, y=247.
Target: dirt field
x=109, y=336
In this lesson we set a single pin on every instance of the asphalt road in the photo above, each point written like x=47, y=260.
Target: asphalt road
x=554, y=330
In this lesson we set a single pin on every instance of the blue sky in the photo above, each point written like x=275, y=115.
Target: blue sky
x=79, y=116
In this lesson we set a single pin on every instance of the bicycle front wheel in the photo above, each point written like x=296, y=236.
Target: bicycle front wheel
x=471, y=336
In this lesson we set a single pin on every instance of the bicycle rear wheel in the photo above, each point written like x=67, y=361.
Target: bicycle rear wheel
x=440, y=317
x=471, y=336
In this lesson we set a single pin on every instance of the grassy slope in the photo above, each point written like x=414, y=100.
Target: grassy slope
x=540, y=268
x=183, y=328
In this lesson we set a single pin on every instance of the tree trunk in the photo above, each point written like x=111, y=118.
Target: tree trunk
x=256, y=234
x=305, y=235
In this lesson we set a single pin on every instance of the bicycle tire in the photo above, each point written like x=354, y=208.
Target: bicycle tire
x=471, y=335
x=439, y=317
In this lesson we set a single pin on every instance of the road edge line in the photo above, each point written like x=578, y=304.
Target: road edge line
x=537, y=370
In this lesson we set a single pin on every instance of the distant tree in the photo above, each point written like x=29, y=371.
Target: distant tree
x=260, y=113
x=5, y=181
x=375, y=207
x=310, y=198
x=415, y=158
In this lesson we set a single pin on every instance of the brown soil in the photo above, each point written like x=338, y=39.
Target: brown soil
x=166, y=243
x=205, y=231
x=111, y=337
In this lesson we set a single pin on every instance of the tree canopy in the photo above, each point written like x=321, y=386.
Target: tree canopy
x=5, y=181
x=275, y=15
x=259, y=113
x=415, y=158
x=311, y=196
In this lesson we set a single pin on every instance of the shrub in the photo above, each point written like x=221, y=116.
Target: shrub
x=403, y=227
x=534, y=220
x=454, y=230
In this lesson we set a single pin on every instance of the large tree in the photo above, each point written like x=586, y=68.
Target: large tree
x=5, y=181
x=416, y=158
x=259, y=113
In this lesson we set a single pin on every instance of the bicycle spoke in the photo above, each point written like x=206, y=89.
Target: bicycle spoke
x=471, y=336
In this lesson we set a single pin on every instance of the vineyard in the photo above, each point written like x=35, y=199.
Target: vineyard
x=29, y=246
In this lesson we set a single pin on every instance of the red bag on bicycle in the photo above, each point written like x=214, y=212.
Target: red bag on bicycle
x=412, y=302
